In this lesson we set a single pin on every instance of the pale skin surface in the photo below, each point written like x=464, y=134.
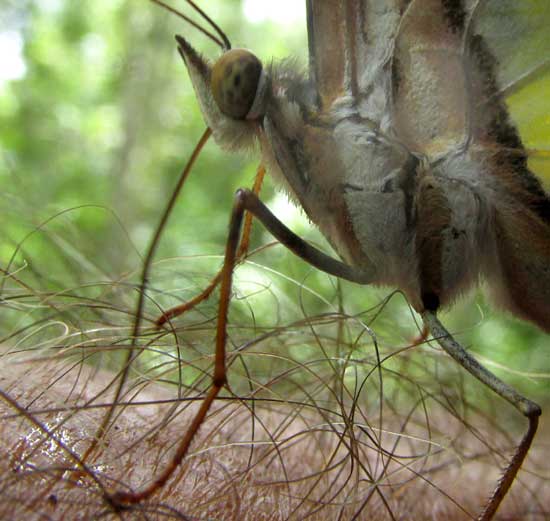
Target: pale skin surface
x=210, y=484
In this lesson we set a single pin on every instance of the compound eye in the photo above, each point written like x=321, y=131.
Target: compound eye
x=234, y=82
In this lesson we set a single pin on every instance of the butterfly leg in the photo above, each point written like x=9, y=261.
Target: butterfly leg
x=245, y=201
x=528, y=408
x=176, y=311
x=421, y=337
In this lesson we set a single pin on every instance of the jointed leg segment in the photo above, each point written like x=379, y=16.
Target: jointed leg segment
x=213, y=284
x=528, y=408
x=245, y=200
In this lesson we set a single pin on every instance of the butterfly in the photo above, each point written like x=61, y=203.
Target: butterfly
x=399, y=145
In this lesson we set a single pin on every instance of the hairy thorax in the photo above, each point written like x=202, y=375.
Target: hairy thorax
x=418, y=221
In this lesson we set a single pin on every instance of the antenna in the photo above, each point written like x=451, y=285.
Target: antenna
x=222, y=41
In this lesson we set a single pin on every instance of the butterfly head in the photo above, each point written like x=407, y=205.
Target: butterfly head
x=235, y=81
x=231, y=92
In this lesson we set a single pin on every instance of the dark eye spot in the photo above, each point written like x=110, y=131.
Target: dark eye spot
x=237, y=80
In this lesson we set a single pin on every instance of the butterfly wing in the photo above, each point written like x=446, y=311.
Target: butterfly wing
x=517, y=35
x=327, y=48
x=349, y=42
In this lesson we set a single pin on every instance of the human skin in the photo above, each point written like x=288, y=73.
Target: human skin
x=46, y=428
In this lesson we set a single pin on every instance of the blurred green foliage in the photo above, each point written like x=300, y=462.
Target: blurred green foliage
x=105, y=115
x=93, y=136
